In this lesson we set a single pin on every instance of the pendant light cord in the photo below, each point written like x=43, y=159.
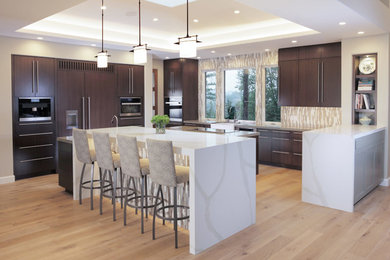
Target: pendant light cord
x=139, y=22
x=188, y=35
x=102, y=25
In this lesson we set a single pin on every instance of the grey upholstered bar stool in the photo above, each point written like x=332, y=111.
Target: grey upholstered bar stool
x=86, y=155
x=163, y=171
x=136, y=169
x=109, y=162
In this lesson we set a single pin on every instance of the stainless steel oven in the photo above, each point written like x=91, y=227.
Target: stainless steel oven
x=173, y=107
x=35, y=109
x=130, y=106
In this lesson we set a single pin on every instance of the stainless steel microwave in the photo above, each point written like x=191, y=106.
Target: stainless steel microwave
x=35, y=109
x=131, y=106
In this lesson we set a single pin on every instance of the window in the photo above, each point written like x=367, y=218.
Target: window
x=210, y=78
x=240, y=94
x=272, y=109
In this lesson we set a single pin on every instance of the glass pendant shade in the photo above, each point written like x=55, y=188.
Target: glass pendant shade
x=140, y=54
x=188, y=47
x=102, y=59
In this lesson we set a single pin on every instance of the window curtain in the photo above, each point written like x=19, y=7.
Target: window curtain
x=256, y=60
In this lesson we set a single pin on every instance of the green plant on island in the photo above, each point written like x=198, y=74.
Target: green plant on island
x=160, y=120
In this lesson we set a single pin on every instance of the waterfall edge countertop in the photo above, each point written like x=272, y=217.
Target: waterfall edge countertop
x=354, y=131
x=222, y=197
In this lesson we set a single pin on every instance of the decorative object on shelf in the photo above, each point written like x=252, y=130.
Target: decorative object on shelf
x=102, y=57
x=140, y=50
x=188, y=43
x=365, y=120
x=365, y=84
x=160, y=122
x=367, y=65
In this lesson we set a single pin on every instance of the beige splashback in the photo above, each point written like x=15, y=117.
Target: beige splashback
x=310, y=117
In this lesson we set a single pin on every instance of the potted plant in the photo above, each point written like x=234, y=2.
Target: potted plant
x=160, y=122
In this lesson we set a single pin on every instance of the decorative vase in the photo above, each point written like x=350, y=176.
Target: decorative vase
x=160, y=129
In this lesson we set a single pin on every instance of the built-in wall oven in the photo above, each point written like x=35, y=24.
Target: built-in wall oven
x=33, y=109
x=173, y=107
x=130, y=106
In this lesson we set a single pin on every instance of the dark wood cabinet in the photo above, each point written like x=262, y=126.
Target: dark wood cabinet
x=130, y=80
x=65, y=164
x=265, y=146
x=33, y=76
x=310, y=76
x=181, y=80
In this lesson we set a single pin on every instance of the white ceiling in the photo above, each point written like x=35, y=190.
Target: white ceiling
x=260, y=24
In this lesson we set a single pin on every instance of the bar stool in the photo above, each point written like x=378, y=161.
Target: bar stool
x=136, y=169
x=108, y=161
x=163, y=171
x=86, y=155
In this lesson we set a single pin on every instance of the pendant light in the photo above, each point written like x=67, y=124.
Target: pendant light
x=140, y=51
x=102, y=57
x=188, y=43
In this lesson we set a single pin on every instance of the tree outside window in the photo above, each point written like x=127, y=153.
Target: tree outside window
x=240, y=94
x=210, y=78
x=272, y=109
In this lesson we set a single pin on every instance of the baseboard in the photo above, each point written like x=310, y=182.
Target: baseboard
x=7, y=179
x=385, y=182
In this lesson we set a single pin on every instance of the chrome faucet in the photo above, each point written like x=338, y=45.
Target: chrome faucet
x=116, y=120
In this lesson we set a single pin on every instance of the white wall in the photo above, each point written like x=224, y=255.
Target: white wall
x=372, y=44
x=159, y=65
x=10, y=46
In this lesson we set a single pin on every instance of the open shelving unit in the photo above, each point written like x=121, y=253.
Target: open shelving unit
x=364, y=94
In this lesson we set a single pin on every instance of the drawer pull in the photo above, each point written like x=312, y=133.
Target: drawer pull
x=47, y=133
x=264, y=137
x=281, y=132
x=37, y=159
x=35, y=146
x=260, y=130
x=297, y=133
x=130, y=118
x=297, y=140
x=283, y=139
x=297, y=154
x=45, y=123
x=280, y=152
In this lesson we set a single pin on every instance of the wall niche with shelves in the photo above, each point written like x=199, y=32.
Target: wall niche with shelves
x=364, y=94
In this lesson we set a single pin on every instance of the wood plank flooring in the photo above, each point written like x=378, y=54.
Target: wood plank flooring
x=38, y=220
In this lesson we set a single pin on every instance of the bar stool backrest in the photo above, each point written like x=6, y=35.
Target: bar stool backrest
x=161, y=162
x=128, y=150
x=80, y=139
x=103, y=150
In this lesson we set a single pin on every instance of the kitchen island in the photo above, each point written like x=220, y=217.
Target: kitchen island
x=342, y=164
x=222, y=192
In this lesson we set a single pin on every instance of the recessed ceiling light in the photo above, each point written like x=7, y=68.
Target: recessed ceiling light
x=40, y=38
x=93, y=45
x=229, y=54
x=196, y=21
x=236, y=11
x=103, y=7
x=167, y=57
x=212, y=51
x=294, y=41
x=155, y=19
x=266, y=49
x=198, y=58
x=342, y=23
x=361, y=32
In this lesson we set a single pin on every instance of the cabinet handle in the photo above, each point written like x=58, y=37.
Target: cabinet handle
x=37, y=86
x=35, y=134
x=263, y=137
x=130, y=118
x=132, y=81
x=129, y=82
x=89, y=112
x=34, y=146
x=297, y=154
x=33, y=77
x=83, y=111
x=318, y=83
x=280, y=152
x=37, y=159
x=296, y=140
x=322, y=85
x=282, y=132
x=283, y=139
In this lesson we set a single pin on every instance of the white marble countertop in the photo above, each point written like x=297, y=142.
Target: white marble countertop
x=354, y=131
x=183, y=139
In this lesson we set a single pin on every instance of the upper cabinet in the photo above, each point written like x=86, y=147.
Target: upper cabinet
x=310, y=76
x=173, y=78
x=33, y=76
x=130, y=80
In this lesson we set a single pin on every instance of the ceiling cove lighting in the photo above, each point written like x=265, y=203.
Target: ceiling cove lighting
x=188, y=43
x=102, y=56
x=140, y=50
x=342, y=23
x=361, y=32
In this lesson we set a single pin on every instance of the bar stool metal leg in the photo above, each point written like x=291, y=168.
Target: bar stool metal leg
x=146, y=195
x=142, y=204
x=92, y=173
x=102, y=178
x=121, y=176
x=114, y=194
x=175, y=213
x=126, y=199
x=162, y=202
x=155, y=212
x=81, y=184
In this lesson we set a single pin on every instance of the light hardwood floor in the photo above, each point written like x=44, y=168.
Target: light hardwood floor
x=38, y=220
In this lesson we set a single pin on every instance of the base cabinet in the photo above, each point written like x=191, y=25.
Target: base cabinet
x=65, y=164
